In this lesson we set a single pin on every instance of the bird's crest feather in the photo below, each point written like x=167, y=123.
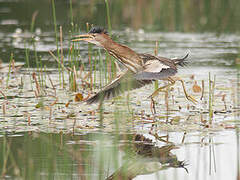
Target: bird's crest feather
x=98, y=30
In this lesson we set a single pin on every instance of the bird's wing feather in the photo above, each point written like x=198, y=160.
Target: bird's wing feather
x=125, y=81
x=163, y=74
x=156, y=68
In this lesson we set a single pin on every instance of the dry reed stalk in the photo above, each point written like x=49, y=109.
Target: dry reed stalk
x=28, y=115
x=224, y=101
x=55, y=93
x=75, y=72
x=29, y=119
x=173, y=100
x=84, y=79
x=90, y=75
x=50, y=114
x=4, y=108
x=5, y=97
x=81, y=71
x=156, y=53
x=13, y=65
x=166, y=100
x=109, y=68
x=202, y=90
x=56, y=59
x=54, y=102
x=152, y=106
x=34, y=15
x=36, y=82
x=86, y=76
x=74, y=79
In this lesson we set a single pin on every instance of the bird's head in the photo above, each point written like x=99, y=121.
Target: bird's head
x=96, y=35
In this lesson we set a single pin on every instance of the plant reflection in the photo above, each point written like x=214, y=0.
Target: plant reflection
x=32, y=155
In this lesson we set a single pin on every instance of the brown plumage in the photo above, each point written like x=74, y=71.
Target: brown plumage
x=142, y=69
x=123, y=82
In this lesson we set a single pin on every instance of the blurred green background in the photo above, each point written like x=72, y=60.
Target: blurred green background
x=159, y=15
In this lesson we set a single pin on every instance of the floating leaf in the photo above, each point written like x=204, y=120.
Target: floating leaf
x=78, y=97
x=67, y=104
x=39, y=105
x=175, y=120
x=196, y=88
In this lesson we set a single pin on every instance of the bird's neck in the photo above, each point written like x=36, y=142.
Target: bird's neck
x=125, y=55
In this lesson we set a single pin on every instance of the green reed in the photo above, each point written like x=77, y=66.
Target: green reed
x=45, y=75
x=27, y=56
x=90, y=52
x=9, y=69
x=73, y=54
x=71, y=74
x=95, y=70
x=74, y=49
x=108, y=18
x=117, y=120
x=56, y=39
x=5, y=156
x=106, y=68
x=211, y=95
x=71, y=14
x=40, y=73
x=61, y=52
x=33, y=21
x=101, y=66
x=31, y=43
x=110, y=61
x=156, y=53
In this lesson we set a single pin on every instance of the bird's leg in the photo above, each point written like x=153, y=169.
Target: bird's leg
x=161, y=89
x=155, y=93
x=189, y=97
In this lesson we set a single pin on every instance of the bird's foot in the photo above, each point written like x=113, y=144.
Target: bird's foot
x=191, y=98
x=156, y=92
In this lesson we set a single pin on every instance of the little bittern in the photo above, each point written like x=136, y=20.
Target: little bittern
x=141, y=69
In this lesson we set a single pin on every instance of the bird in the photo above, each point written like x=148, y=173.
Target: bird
x=140, y=68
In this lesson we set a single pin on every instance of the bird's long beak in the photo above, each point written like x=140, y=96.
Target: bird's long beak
x=83, y=37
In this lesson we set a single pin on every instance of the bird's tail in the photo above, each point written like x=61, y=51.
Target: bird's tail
x=181, y=62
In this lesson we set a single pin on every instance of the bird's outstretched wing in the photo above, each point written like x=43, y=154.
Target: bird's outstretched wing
x=157, y=68
x=125, y=81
